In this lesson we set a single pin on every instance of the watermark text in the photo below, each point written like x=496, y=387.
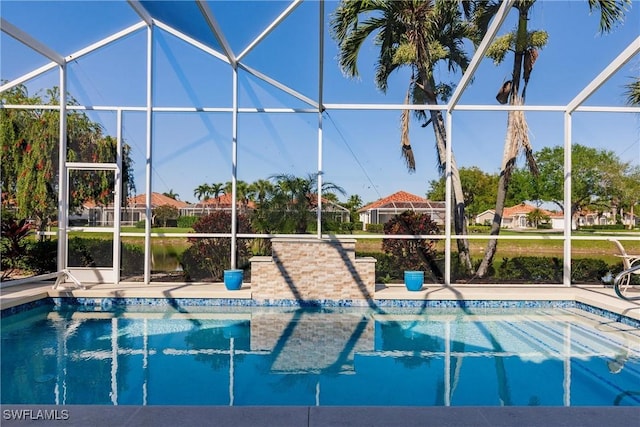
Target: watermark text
x=35, y=414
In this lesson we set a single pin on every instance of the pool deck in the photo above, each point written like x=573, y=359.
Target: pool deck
x=294, y=416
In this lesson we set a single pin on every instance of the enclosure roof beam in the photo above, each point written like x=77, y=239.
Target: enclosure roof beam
x=104, y=42
x=480, y=52
x=141, y=11
x=610, y=70
x=28, y=40
x=270, y=28
x=217, y=31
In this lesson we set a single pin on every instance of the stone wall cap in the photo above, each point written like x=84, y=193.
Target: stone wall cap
x=258, y=258
x=311, y=240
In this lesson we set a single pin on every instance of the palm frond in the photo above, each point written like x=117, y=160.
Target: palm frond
x=407, y=152
x=520, y=137
x=633, y=92
x=351, y=44
x=611, y=12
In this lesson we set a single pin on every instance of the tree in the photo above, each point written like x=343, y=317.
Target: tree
x=261, y=189
x=290, y=205
x=209, y=257
x=170, y=194
x=164, y=213
x=202, y=192
x=216, y=190
x=353, y=204
x=524, y=45
x=479, y=190
x=630, y=193
x=30, y=141
x=598, y=178
x=412, y=254
x=537, y=217
x=417, y=35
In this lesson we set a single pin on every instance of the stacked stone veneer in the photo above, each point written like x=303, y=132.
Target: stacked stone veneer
x=312, y=269
x=312, y=342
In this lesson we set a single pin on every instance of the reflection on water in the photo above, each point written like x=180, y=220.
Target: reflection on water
x=269, y=356
x=165, y=261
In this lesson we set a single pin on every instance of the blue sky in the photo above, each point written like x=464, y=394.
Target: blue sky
x=361, y=149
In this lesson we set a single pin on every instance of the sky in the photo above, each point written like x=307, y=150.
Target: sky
x=360, y=148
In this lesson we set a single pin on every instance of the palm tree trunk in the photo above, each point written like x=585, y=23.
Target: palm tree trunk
x=511, y=144
x=459, y=220
x=508, y=162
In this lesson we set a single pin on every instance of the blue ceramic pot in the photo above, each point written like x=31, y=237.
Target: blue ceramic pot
x=233, y=279
x=414, y=280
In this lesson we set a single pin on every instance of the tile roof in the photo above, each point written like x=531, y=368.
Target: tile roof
x=157, y=199
x=223, y=201
x=523, y=209
x=400, y=198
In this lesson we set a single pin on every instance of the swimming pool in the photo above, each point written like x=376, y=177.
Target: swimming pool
x=331, y=356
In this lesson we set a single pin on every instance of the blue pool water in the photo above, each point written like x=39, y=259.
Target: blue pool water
x=332, y=356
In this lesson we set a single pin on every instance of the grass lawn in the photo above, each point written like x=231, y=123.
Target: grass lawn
x=509, y=248
x=506, y=248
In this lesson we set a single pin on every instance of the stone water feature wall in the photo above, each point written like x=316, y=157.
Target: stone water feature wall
x=312, y=342
x=312, y=269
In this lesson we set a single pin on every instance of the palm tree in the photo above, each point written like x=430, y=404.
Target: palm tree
x=202, y=192
x=525, y=45
x=242, y=191
x=216, y=190
x=294, y=197
x=417, y=34
x=353, y=204
x=261, y=189
x=171, y=194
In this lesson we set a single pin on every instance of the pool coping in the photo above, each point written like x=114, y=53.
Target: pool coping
x=392, y=295
x=315, y=416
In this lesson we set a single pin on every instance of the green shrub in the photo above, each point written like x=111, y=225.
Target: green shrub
x=140, y=224
x=187, y=221
x=412, y=254
x=603, y=227
x=534, y=269
x=588, y=270
x=89, y=252
x=387, y=269
x=550, y=270
x=347, y=227
x=207, y=258
x=42, y=256
x=479, y=228
x=13, y=245
x=375, y=228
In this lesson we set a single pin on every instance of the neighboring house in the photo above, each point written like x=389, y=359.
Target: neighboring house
x=220, y=203
x=137, y=206
x=205, y=207
x=516, y=217
x=331, y=210
x=381, y=211
x=586, y=218
x=102, y=216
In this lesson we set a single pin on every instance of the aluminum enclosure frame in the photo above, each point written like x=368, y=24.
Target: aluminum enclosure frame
x=149, y=23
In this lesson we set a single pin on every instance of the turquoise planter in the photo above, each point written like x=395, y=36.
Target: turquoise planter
x=233, y=279
x=414, y=280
